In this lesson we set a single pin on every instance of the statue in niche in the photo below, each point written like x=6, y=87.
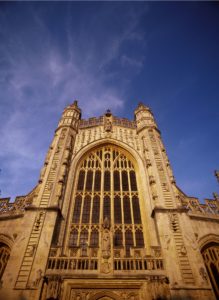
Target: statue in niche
x=106, y=239
x=106, y=223
x=108, y=125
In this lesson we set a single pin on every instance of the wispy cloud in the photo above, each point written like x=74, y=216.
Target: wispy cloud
x=44, y=67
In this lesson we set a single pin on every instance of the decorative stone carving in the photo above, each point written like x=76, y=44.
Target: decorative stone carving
x=42, y=173
x=203, y=274
x=36, y=282
x=53, y=288
x=108, y=125
x=167, y=240
x=32, y=249
x=106, y=267
x=183, y=250
x=38, y=221
x=106, y=243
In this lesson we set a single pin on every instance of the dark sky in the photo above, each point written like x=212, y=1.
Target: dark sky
x=110, y=55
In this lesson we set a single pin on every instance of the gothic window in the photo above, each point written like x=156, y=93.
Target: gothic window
x=4, y=256
x=96, y=210
x=133, y=181
x=117, y=210
x=106, y=187
x=118, y=238
x=107, y=181
x=128, y=241
x=127, y=210
x=136, y=210
x=86, y=209
x=97, y=180
x=211, y=258
x=116, y=179
x=81, y=180
x=83, y=238
x=129, y=238
x=106, y=208
x=125, y=186
x=94, y=238
x=73, y=240
x=77, y=209
x=89, y=180
x=139, y=238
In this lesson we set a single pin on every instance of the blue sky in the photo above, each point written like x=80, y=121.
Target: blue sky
x=110, y=55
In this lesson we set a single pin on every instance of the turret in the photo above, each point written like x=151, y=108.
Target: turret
x=70, y=116
x=144, y=117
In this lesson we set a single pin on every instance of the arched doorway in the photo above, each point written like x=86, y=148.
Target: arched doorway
x=210, y=255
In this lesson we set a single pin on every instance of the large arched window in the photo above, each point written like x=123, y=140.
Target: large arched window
x=4, y=256
x=210, y=254
x=107, y=187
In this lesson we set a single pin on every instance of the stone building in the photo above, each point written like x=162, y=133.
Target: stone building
x=107, y=220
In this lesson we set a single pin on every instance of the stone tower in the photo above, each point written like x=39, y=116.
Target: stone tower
x=107, y=220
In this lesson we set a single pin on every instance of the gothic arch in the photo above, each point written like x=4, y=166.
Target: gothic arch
x=207, y=239
x=7, y=240
x=101, y=295
x=140, y=168
x=210, y=253
x=107, y=141
x=5, y=250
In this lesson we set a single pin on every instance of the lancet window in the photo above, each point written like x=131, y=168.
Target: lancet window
x=106, y=188
x=4, y=256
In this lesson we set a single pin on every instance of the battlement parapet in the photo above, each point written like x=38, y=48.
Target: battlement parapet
x=91, y=122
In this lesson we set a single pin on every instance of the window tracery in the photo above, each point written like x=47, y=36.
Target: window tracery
x=107, y=188
x=211, y=258
x=4, y=257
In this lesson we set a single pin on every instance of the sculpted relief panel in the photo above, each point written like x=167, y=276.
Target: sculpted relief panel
x=104, y=294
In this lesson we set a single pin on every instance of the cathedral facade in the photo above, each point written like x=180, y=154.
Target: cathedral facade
x=107, y=221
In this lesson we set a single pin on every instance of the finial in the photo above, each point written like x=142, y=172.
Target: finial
x=216, y=173
x=75, y=103
x=108, y=112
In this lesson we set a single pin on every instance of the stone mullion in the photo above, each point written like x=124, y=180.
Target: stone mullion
x=121, y=199
x=131, y=208
x=111, y=188
x=102, y=169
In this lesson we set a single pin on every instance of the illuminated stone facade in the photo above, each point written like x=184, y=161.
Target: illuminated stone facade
x=107, y=220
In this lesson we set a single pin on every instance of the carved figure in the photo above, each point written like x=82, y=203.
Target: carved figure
x=108, y=125
x=203, y=274
x=32, y=249
x=38, y=278
x=106, y=224
x=183, y=250
x=106, y=244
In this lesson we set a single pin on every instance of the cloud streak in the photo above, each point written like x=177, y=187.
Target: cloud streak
x=44, y=67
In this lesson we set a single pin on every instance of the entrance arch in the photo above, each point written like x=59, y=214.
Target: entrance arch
x=210, y=254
